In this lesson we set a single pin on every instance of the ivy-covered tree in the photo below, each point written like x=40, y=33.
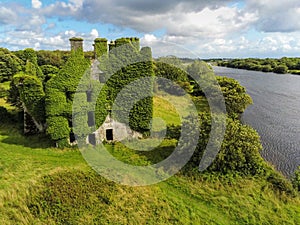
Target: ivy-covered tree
x=9, y=65
x=29, y=58
x=174, y=73
x=49, y=71
x=27, y=92
x=32, y=97
x=239, y=153
x=236, y=98
x=55, y=58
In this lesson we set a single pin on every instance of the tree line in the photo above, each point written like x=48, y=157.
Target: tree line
x=280, y=66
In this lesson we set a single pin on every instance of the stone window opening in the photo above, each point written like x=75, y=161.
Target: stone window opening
x=72, y=137
x=91, y=119
x=92, y=139
x=109, y=135
x=89, y=96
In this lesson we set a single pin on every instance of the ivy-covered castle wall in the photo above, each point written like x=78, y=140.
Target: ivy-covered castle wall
x=124, y=64
x=118, y=67
x=60, y=91
x=100, y=47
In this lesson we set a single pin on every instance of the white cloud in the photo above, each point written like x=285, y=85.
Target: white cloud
x=276, y=15
x=273, y=45
x=207, y=23
x=36, y=4
x=94, y=33
x=7, y=15
x=70, y=33
x=37, y=46
x=149, y=38
x=209, y=28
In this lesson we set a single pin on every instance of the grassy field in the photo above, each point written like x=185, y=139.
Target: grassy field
x=43, y=185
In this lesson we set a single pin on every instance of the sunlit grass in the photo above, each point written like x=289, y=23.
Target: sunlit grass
x=199, y=199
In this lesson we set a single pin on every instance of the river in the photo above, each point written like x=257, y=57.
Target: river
x=275, y=114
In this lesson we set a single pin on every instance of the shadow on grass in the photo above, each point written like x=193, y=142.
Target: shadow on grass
x=157, y=155
x=12, y=134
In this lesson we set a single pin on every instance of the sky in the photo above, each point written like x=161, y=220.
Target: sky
x=186, y=28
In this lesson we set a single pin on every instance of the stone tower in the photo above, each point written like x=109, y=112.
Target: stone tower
x=100, y=47
x=76, y=43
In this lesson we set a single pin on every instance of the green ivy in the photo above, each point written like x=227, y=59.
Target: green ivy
x=120, y=64
x=31, y=95
x=9, y=65
x=100, y=46
x=58, y=128
x=60, y=91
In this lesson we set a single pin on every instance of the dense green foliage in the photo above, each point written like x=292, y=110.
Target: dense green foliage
x=9, y=65
x=173, y=73
x=4, y=89
x=125, y=64
x=31, y=95
x=240, y=150
x=134, y=41
x=27, y=92
x=100, y=46
x=235, y=96
x=54, y=58
x=282, y=66
x=239, y=153
x=60, y=91
x=30, y=58
x=49, y=71
x=296, y=179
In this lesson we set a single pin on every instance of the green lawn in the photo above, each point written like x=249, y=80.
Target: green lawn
x=71, y=193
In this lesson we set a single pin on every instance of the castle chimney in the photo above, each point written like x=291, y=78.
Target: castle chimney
x=76, y=43
x=100, y=47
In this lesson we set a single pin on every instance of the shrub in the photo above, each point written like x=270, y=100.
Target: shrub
x=239, y=151
x=296, y=179
x=173, y=132
x=236, y=98
x=267, y=68
x=9, y=65
x=281, y=69
x=3, y=92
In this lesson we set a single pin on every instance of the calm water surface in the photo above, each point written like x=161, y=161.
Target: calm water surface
x=275, y=114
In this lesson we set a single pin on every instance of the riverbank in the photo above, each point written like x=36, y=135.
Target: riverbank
x=281, y=66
